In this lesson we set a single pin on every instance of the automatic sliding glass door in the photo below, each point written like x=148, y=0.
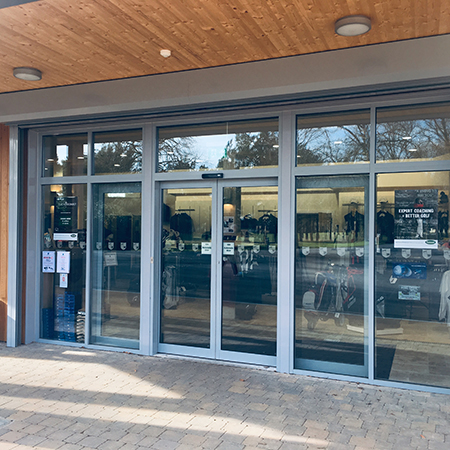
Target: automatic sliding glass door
x=186, y=249
x=249, y=270
x=218, y=288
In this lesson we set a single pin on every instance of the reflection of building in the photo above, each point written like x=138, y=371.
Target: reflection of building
x=296, y=279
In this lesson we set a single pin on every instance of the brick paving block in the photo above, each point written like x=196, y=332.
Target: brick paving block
x=193, y=439
x=50, y=444
x=293, y=446
x=7, y=445
x=74, y=438
x=229, y=446
x=364, y=442
x=163, y=444
x=111, y=445
x=12, y=436
x=340, y=446
x=92, y=441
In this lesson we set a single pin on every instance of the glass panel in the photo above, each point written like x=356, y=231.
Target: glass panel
x=186, y=267
x=63, y=263
x=65, y=155
x=330, y=275
x=116, y=264
x=413, y=134
x=338, y=138
x=412, y=276
x=224, y=146
x=118, y=152
x=249, y=270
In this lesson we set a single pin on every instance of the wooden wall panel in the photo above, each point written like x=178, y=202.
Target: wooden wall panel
x=86, y=41
x=4, y=192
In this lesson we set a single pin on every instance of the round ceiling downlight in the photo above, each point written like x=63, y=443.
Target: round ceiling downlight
x=27, y=73
x=352, y=25
x=165, y=53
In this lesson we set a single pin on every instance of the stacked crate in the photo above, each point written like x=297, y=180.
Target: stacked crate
x=65, y=317
x=81, y=325
x=47, y=323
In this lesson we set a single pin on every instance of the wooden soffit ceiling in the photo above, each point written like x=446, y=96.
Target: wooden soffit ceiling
x=83, y=41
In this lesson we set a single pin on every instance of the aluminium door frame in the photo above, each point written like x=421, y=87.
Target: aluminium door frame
x=214, y=351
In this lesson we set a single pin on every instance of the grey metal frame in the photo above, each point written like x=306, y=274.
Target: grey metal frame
x=14, y=225
x=152, y=183
x=214, y=350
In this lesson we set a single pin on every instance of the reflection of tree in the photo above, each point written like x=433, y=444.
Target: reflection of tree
x=119, y=157
x=176, y=154
x=412, y=139
x=395, y=139
x=346, y=143
x=437, y=134
x=251, y=150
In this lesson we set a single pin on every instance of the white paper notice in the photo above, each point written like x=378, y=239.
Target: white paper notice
x=206, y=248
x=228, y=248
x=48, y=262
x=110, y=259
x=63, y=279
x=63, y=262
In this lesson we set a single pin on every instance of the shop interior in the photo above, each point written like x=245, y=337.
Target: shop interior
x=248, y=278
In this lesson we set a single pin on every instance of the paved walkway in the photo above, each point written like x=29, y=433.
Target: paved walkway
x=54, y=397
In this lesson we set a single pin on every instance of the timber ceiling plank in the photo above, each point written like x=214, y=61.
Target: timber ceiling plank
x=94, y=40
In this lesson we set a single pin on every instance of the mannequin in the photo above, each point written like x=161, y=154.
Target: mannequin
x=354, y=223
x=385, y=224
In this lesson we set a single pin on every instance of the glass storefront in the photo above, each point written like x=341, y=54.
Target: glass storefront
x=331, y=268
x=186, y=267
x=412, y=278
x=116, y=265
x=249, y=269
x=65, y=155
x=224, y=146
x=247, y=253
x=118, y=152
x=63, y=271
x=419, y=133
x=365, y=240
x=330, y=139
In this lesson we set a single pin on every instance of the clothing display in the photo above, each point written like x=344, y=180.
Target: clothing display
x=182, y=223
x=354, y=223
x=267, y=224
x=249, y=223
x=444, y=307
x=443, y=223
x=385, y=227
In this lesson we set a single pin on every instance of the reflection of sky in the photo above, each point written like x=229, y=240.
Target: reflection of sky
x=210, y=149
x=62, y=153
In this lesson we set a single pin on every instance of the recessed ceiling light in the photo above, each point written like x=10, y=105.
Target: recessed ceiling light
x=412, y=149
x=80, y=157
x=116, y=165
x=338, y=142
x=352, y=25
x=406, y=138
x=275, y=146
x=27, y=73
x=165, y=53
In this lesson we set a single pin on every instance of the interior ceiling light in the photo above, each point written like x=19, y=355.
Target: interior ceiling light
x=27, y=73
x=165, y=53
x=352, y=25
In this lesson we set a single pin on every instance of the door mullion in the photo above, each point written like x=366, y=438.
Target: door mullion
x=216, y=266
